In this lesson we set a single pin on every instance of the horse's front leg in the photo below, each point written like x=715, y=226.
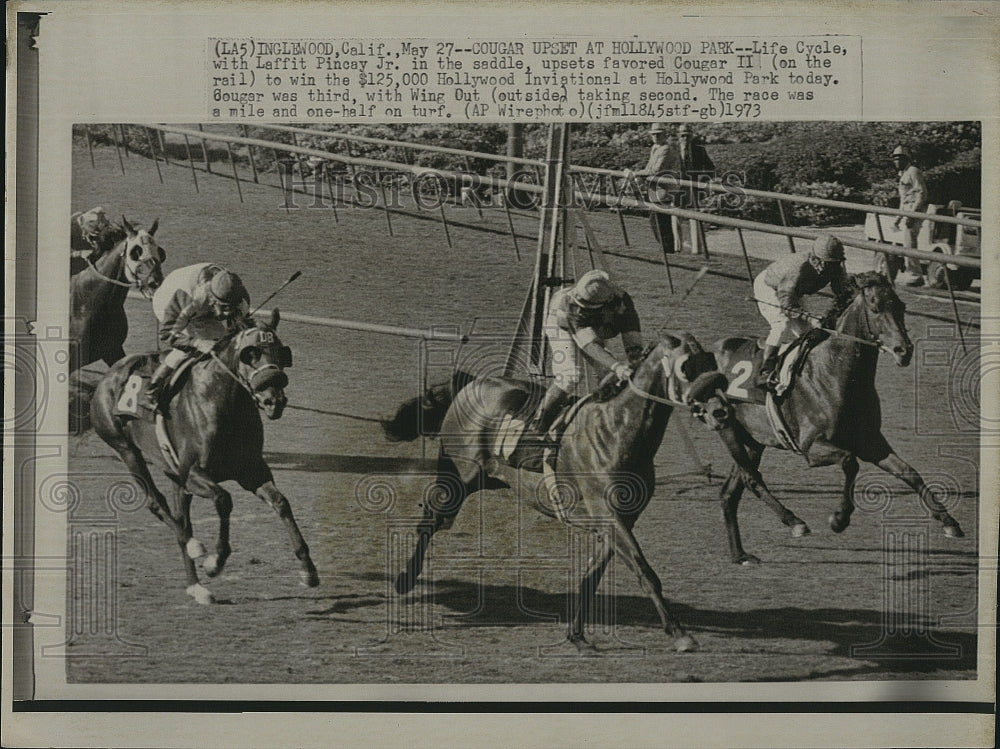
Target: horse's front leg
x=260, y=481
x=730, y=495
x=746, y=453
x=902, y=470
x=627, y=548
x=191, y=548
x=203, y=485
x=841, y=517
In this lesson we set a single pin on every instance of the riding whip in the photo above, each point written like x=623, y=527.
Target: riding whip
x=274, y=293
x=701, y=273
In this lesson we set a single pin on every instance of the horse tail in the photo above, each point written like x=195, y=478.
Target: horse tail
x=424, y=413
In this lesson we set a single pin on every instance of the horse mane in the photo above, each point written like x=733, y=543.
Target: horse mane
x=856, y=284
x=108, y=240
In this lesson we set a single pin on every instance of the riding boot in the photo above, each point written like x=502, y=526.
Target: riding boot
x=767, y=368
x=154, y=389
x=552, y=403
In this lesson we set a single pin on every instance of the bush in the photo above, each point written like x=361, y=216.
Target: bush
x=804, y=214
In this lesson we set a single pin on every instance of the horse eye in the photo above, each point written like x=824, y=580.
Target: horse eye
x=249, y=354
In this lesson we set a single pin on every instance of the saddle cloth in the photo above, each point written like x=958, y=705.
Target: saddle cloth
x=132, y=402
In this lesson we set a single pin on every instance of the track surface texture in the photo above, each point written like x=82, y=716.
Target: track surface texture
x=492, y=604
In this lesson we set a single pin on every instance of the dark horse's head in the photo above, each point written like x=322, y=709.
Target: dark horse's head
x=877, y=314
x=260, y=360
x=143, y=258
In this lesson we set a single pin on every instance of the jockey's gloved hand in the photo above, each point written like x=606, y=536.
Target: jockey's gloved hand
x=622, y=371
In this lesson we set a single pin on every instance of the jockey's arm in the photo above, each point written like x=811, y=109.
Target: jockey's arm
x=790, y=298
x=178, y=330
x=840, y=285
x=590, y=345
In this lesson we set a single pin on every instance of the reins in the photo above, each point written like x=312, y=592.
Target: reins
x=93, y=267
x=655, y=398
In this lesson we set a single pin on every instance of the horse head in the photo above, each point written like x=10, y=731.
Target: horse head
x=143, y=258
x=682, y=372
x=877, y=314
x=260, y=360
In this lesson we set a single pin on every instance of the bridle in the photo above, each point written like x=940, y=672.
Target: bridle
x=245, y=380
x=132, y=276
x=873, y=337
x=647, y=395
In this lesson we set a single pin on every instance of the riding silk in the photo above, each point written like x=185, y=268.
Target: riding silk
x=179, y=290
x=569, y=326
x=780, y=288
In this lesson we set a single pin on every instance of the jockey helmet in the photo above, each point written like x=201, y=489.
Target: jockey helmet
x=226, y=288
x=658, y=127
x=594, y=289
x=900, y=151
x=828, y=249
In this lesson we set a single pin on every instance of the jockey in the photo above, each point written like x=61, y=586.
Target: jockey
x=86, y=229
x=780, y=288
x=196, y=306
x=584, y=317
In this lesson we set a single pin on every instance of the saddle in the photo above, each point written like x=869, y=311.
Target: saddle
x=132, y=403
x=510, y=446
x=792, y=358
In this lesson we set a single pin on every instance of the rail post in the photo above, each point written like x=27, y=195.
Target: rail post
x=784, y=222
x=114, y=135
x=253, y=163
x=204, y=150
x=194, y=175
x=746, y=257
x=90, y=146
x=510, y=224
x=152, y=154
x=236, y=176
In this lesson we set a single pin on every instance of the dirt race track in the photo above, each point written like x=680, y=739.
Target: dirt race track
x=491, y=606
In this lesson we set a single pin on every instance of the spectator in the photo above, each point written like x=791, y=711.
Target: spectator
x=912, y=197
x=664, y=161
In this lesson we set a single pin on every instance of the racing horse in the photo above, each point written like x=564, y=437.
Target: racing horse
x=123, y=258
x=832, y=411
x=215, y=433
x=603, y=468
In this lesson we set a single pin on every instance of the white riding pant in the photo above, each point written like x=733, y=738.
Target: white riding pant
x=783, y=328
x=174, y=357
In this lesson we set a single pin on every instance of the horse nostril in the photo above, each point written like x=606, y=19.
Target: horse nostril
x=719, y=414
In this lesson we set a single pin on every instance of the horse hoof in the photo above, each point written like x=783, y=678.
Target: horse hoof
x=195, y=549
x=954, y=531
x=310, y=578
x=800, y=530
x=404, y=584
x=838, y=525
x=685, y=644
x=582, y=646
x=201, y=594
x=748, y=559
x=211, y=564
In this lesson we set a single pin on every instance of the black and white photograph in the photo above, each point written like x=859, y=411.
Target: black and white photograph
x=574, y=393
x=607, y=371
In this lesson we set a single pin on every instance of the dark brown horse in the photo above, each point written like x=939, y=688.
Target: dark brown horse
x=603, y=470
x=832, y=412
x=98, y=325
x=216, y=433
